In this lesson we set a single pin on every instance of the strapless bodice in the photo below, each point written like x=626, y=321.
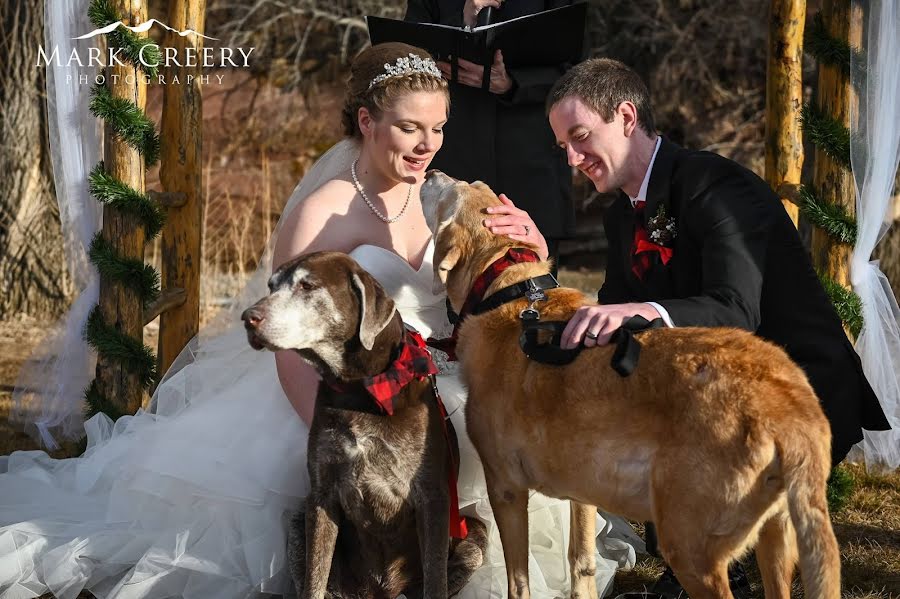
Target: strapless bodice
x=411, y=289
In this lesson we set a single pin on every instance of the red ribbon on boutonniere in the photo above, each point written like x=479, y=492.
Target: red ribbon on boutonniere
x=644, y=244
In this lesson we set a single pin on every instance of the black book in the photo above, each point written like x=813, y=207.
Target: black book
x=546, y=38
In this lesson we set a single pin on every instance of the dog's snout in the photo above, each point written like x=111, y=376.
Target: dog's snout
x=252, y=317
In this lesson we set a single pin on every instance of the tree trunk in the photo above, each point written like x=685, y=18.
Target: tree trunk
x=33, y=273
x=832, y=181
x=121, y=306
x=784, y=96
x=182, y=124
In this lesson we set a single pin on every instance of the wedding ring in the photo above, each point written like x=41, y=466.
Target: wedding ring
x=527, y=230
x=590, y=335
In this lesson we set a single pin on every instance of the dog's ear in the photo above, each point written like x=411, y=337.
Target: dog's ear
x=446, y=257
x=446, y=265
x=376, y=308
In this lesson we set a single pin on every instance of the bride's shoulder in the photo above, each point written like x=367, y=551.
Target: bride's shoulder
x=332, y=197
x=312, y=224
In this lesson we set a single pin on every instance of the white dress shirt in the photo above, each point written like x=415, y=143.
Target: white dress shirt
x=642, y=197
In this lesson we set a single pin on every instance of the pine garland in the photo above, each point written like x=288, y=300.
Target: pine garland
x=828, y=133
x=827, y=216
x=130, y=124
x=846, y=303
x=827, y=49
x=101, y=14
x=96, y=402
x=136, y=357
x=128, y=272
x=109, y=190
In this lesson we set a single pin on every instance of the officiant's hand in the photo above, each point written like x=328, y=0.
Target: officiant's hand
x=473, y=7
x=515, y=224
x=596, y=324
x=471, y=74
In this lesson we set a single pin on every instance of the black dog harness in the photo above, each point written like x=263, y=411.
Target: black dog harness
x=628, y=349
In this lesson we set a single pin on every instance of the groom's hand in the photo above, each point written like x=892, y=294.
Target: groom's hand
x=471, y=74
x=595, y=324
x=515, y=224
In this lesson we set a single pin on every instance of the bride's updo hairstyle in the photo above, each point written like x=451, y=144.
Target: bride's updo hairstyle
x=369, y=65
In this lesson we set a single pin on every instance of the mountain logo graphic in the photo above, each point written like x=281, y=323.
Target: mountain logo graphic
x=142, y=28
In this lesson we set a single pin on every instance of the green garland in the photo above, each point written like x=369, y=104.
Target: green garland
x=846, y=303
x=828, y=133
x=101, y=13
x=832, y=218
x=96, y=402
x=131, y=353
x=112, y=192
x=820, y=44
x=130, y=124
x=128, y=272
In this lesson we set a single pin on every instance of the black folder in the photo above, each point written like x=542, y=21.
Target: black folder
x=546, y=38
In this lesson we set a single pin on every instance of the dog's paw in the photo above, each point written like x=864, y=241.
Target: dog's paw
x=584, y=587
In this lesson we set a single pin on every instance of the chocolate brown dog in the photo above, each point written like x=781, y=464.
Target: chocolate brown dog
x=375, y=523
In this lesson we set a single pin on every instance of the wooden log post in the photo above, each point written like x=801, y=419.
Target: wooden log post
x=784, y=97
x=832, y=181
x=180, y=172
x=120, y=306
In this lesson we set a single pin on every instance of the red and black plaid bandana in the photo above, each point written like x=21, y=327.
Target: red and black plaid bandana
x=413, y=362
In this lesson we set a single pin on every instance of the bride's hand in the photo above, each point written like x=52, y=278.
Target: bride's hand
x=516, y=224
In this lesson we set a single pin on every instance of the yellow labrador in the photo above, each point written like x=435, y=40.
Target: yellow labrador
x=717, y=436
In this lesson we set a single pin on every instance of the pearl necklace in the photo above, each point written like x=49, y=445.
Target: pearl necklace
x=371, y=206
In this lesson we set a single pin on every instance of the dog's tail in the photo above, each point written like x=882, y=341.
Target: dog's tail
x=805, y=461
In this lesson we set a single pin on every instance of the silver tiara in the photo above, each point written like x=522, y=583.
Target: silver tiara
x=407, y=65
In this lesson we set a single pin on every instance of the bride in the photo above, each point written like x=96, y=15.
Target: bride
x=190, y=498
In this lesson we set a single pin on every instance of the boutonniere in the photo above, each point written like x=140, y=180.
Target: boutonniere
x=661, y=230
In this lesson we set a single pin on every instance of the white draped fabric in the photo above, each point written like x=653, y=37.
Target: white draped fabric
x=875, y=152
x=49, y=393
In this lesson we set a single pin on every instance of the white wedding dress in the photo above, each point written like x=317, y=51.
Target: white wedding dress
x=194, y=504
x=191, y=497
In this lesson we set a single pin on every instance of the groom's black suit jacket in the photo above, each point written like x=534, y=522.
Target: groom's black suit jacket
x=738, y=262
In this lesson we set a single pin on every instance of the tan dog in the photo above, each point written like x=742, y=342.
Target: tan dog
x=717, y=436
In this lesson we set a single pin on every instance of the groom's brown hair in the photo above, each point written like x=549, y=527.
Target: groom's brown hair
x=603, y=84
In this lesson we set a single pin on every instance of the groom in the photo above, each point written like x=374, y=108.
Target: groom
x=698, y=240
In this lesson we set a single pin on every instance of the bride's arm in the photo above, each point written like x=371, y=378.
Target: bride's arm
x=305, y=230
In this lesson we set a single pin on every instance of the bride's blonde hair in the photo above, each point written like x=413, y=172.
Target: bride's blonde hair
x=381, y=96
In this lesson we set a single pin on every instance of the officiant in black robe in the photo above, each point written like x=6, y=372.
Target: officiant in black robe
x=502, y=137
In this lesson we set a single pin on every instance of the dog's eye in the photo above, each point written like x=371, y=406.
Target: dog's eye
x=306, y=285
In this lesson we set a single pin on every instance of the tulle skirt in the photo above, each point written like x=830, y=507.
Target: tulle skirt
x=192, y=501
